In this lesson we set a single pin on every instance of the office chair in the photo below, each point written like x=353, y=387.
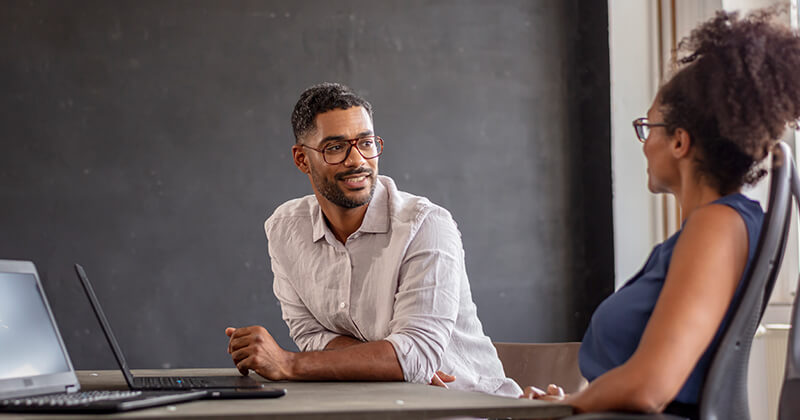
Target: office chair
x=724, y=393
x=789, y=408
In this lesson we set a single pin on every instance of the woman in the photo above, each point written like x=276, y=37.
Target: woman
x=704, y=136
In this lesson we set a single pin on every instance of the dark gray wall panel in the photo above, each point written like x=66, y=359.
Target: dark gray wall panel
x=149, y=140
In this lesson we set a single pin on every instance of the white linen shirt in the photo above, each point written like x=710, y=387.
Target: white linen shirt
x=400, y=277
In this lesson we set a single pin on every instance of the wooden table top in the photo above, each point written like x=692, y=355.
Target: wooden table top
x=324, y=400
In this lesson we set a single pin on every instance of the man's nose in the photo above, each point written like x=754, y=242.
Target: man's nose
x=354, y=158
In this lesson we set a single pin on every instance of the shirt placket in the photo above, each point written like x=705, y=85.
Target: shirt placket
x=343, y=307
x=345, y=302
x=344, y=271
x=340, y=268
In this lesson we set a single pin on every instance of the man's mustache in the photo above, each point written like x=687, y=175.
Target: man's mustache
x=365, y=171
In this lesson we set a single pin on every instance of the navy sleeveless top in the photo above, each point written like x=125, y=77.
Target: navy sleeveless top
x=619, y=322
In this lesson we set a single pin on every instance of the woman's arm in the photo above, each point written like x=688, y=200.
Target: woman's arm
x=706, y=266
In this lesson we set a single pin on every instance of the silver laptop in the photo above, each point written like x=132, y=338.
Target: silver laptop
x=163, y=382
x=36, y=374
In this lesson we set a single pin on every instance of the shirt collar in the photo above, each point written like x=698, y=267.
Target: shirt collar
x=317, y=222
x=376, y=219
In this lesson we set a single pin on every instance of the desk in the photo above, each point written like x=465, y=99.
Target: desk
x=325, y=400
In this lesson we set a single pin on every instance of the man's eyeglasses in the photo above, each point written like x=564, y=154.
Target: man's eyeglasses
x=642, y=128
x=336, y=152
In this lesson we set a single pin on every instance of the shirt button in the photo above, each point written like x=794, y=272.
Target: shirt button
x=342, y=305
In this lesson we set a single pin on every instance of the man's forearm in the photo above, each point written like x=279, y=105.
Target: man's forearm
x=341, y=342
x=371, y=361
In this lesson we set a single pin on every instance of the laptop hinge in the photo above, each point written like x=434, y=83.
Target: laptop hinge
x=71, y=388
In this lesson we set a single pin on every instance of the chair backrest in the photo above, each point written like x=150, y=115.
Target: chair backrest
x=724, y=395
x=789, y=407
x=540, y=364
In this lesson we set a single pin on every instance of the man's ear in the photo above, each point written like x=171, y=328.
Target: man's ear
x=300, y=157
x=681, y=143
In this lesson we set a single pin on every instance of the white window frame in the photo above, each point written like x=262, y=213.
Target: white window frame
x=634, y=64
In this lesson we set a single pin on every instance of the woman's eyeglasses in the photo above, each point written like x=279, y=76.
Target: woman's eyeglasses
x=642, y=128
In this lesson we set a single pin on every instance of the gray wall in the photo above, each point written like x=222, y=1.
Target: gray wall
x=149, y=140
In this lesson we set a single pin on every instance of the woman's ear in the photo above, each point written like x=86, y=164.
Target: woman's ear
x=681, y=143
x=299, y=156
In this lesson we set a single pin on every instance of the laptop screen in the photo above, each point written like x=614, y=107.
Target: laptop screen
x=28, y=339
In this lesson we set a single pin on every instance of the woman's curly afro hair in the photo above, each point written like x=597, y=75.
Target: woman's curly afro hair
x=736, y=90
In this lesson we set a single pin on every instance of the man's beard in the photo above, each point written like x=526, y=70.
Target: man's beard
x=331, y=191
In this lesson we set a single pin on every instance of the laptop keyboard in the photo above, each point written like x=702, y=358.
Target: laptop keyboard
x=171, y=382
x=68, y=400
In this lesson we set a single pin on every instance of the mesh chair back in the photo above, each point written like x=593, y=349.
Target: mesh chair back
x=789, y=407
x=724, y=395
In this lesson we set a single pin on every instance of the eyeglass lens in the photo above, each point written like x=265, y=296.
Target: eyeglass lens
x=643, y=131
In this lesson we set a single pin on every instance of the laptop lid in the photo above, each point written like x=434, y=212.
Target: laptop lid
x=104, y=325
x=33, y=358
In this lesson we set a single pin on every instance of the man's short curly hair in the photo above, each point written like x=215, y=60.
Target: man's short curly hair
x=738, y=88
x=319, y=99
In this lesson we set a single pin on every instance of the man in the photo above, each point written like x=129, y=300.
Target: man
x=373, y=276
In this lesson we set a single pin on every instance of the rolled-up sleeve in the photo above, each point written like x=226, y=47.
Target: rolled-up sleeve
x=427, y=300
x=306, y=331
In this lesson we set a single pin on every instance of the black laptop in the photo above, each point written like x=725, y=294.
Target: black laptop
x=161, y=382
x=36, y=373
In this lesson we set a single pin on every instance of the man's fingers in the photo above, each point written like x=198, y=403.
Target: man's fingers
x=229, y=332
x=242, y=332
x=240, y=355
x=440, y=379
x=243, y=367
x=253, y=348
x=238, y=343
x=245, y=371
x=437, y=381
x=445, y=377
x=235, y=333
